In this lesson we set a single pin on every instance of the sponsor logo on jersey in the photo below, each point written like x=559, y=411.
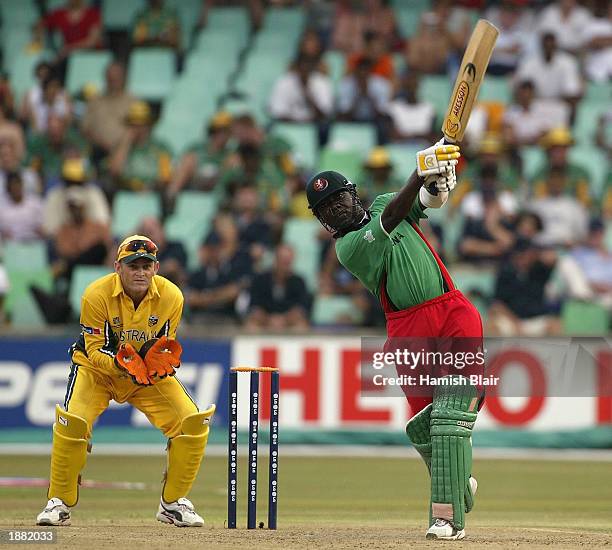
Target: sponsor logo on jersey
x=320, y=184
x=368, y=236
x=153, y=320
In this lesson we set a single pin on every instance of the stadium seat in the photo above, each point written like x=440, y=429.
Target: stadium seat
x=130, y=208
x=302, y=236
x=495, y=88
x=190, y=223
x=593, y=160
x=436, y=90
x=82, y=277
x=303, y=139
x=347, y=136
x=336, y=63
x=213, y=39
x=188, y=13
x=403, y=158
x=151, y=73
x=584, y=319
x=598, y=92
x=119, y=14
x=25, y=256
x=334, y=310
x=290, y=20
x=408, y=15
x=23, y=16
x=533, y=159
x=347, y=163
x=87, y=67
x=587, y=119
x=21, y=70
x=468, y=279
x=20, y=304
x=233, y=19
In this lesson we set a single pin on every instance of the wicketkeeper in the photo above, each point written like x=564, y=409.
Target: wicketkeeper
x=385, y=249
x=127, y=351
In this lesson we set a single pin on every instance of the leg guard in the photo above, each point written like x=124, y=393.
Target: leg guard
x=185, y=454
x=68, y=456
x=452, y=418
x=417, y=430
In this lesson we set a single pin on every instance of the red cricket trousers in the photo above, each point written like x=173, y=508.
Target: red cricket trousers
x=449, y=322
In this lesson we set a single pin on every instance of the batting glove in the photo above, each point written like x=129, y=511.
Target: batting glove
x=435, y=159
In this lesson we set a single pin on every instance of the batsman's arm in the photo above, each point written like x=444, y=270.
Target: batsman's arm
x=100, y=342
x=399, y=207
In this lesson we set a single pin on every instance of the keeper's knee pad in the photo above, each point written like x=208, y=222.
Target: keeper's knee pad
x=453, y=415
x=185, y=454
x=68, y=455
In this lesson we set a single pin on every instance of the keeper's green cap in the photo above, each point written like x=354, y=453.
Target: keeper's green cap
x=324, y=185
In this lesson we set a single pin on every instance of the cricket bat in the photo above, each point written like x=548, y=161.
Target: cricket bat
x=473, y=67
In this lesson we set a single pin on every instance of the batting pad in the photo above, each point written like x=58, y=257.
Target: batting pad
x=68, y=456
x=452, y=418
x=417, y=430
x=185, y=453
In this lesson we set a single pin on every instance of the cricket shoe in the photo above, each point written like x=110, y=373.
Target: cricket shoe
x=444, y=530
x=180, y=513
x=55, y=513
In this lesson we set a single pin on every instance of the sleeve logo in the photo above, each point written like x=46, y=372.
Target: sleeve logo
x=90, y=330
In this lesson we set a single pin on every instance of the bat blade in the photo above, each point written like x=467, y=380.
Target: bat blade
x=471, y=72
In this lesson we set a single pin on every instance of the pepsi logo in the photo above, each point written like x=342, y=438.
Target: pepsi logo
x=320, y=184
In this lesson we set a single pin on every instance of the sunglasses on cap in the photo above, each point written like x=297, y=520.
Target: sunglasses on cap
x=135, y=246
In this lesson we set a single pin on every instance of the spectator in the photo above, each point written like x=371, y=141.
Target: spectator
x=12, y=131
x=10, y=162
x=567, y=21
x=554, y=73
x=378, y=177
x=279, y=299
x=515, y=32
x=528, y=226
x=428, y=51
x=225, y=271
x=303, y=94
x=46, y=152
x=157, y=25
x=519, y=307
x=528, y=119
x=557, y=143
x=200, y=166
x=21, y=218
x=413, y=120
x=33, y=96
x=171, y=255
x=140, y=162
x=488, y=213
x=364, y=97
x=565, y=220
x=375, y=51
x=53, y=100
x=254, y=232
x=104, y=121
x=597, y=41
x=56, y=212
x=586, y=271
x=312, y=47
x=80, y=26
x=455, y=20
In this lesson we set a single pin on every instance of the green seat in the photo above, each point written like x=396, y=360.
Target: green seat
x=285, y=19
x=336, y=63
x=599, y=92
x=403, y=158
x=21, y=70
x=87, y=67
x=188, y=13
x=533, y=159
x=359, y=137
x=587, y=119
x=408, y=15
x=303, y=139
x=190, y=222
x=22, y=14
x=495, y=88
x=130, y=208
x=468, y=279
x=212, y=40
x=334, y=310
x=595, y=161
x=584, y=318
x=25, y=256
x=437, y=91
x=20, y=304
x=151, y=73
x=302, y=236
x=120, y=14
x=348, y=163
x=229, y=19
x=82, y=277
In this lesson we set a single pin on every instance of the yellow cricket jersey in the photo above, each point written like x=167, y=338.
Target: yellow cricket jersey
x=108, y=319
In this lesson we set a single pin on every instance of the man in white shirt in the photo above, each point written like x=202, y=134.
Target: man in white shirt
x=566, y=19
x=21, y=218
x=597, y=43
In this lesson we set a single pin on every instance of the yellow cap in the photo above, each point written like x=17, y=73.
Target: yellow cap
x=222, y=119
x=557, y=136
x=139, y=113
x=378, y=158
x=74, y=170
x=136, y=246
x=90, y=90
x=491, y=144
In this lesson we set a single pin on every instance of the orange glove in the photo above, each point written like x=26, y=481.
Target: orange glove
x=162, y=357
x=127, y=359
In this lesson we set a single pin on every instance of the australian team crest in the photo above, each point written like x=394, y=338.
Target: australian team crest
x=116, y=321
x=153, y=320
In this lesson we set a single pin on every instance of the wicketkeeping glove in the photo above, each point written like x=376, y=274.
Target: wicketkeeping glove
x=161, y=356
x=127, y=359
x=437, y=158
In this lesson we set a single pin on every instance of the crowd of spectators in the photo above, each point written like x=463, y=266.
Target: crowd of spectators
x=543, y=234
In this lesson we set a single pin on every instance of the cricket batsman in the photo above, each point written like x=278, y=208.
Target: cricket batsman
x=127, y=351
x=385, y=249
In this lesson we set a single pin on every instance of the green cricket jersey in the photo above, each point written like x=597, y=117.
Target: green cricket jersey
x=413, y=275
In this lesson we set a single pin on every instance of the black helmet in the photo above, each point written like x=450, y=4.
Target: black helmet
x=326, y=184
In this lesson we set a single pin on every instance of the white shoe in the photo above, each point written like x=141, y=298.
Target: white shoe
x=444, y=530
x=180, y=513
x=55, y=513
